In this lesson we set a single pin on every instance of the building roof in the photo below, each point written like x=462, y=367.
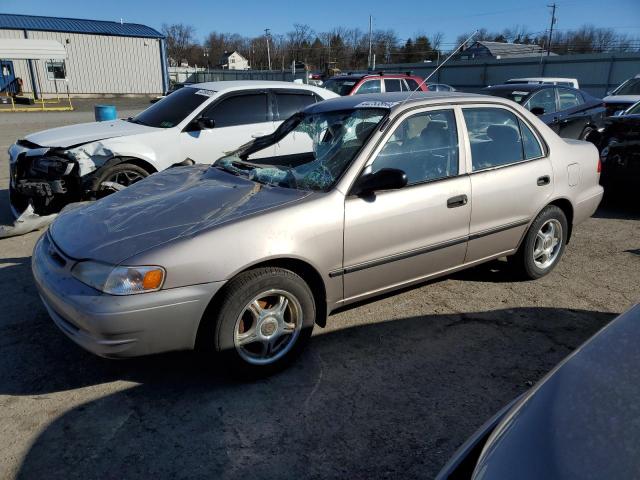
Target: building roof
x=505, y=50
x=10, y=21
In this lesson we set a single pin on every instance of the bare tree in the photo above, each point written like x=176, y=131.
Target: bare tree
x=180, y=41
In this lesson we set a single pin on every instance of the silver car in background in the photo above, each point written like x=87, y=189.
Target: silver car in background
x=362, y=195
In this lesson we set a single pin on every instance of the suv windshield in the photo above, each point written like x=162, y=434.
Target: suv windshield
x=172, y=109
x=630, y=87
x=341, y=86
x=314, y=150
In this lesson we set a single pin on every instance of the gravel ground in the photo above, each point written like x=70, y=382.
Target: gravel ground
x=388, y=390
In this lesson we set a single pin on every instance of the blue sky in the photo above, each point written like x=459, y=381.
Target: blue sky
x=250, y=17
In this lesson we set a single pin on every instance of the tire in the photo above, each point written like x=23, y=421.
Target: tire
x=590, y=134
x=231, y=322
x=544, y=262
x=123, y=174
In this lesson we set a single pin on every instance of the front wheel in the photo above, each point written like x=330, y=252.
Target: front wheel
x=117, y=177
x=543, y=245
x=264, y=319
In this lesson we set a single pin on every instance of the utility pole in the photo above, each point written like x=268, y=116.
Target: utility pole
x=370, y=33
x=267, y=35
x=553, y=21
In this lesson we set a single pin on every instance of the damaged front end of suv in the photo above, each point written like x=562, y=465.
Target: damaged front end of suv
x=48, y=178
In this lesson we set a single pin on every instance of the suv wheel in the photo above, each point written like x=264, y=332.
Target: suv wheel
x=543, y=245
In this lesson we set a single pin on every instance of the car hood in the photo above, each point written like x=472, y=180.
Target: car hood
x=581, y=421
x=73, y=135
x=178, y=202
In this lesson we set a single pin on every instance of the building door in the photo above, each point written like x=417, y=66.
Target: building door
x=7, y=74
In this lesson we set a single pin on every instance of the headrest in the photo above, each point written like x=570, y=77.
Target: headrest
x=503, y=133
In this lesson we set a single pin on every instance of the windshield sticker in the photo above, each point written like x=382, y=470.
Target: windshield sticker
x=376, y=104
x=520, y=93
x=206, y=93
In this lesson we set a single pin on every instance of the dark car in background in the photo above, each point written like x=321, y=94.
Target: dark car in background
x=623, y=96
x=359, y=83
x=440, y=87
x=620, y=155
x=571, y=113
x=579, y=422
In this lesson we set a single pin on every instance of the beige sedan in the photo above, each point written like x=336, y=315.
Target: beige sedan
x=362, y=195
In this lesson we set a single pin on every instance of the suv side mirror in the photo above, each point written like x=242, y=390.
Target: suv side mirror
x=205, y=123
x=537, y=111
x=385, y=179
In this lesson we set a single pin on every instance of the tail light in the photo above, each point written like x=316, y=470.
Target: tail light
x=599, y=168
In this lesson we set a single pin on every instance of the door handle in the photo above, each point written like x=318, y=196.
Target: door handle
x=555, y=120
x=457, y=201
x=544, y=180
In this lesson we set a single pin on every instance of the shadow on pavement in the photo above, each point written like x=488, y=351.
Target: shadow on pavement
x=392, y=399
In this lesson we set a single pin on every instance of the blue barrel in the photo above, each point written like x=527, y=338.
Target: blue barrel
x=104, y=113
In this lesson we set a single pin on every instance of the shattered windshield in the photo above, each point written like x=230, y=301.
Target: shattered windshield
x=312, y=151
x=173, y=109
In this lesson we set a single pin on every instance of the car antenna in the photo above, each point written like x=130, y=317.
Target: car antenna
x=439, y=66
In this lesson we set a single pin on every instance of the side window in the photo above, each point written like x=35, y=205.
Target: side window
x=424, y=146
x=413, y=85
x=432, y=88
x=370, y=86
x=568, y=99
x=290, y=103
x=239, y=110
x=444, y=88
x=392, y=85
x=530, y=143
x=544, y=99
x=494, y=134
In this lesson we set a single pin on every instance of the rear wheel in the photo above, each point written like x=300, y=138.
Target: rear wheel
x=117, y=177
x=264, y=319
x=543, y=245
x=591, y=135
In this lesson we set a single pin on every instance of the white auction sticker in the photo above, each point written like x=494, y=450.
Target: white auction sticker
x=376, y=104
x=206, y=93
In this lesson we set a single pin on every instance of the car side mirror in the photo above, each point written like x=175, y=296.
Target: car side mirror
x=385, y=179
x=537, y=111
x=205, y=123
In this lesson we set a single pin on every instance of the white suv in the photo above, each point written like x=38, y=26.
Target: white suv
x=195, y=124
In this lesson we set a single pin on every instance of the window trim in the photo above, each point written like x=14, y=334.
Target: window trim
x=50, y=76
x=543, y=146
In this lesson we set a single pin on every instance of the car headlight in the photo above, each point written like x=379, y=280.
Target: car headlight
x=119, y=280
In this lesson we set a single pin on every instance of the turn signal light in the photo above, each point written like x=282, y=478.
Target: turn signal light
x=152, y=279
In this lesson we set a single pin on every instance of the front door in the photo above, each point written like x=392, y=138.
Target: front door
x=546, y=100
x=399, y=236
x=238, y=119
x=511, y=179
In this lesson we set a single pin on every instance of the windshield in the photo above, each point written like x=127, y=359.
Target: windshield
x=312, y=150
x=341, y=86
x=630, y=87
x=173, y=109
x=517, y=96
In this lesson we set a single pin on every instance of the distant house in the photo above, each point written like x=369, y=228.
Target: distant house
x=498, y=50
x=233, y=61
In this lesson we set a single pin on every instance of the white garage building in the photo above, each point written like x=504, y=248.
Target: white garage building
x=103, y=58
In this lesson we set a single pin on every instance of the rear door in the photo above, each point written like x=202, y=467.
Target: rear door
x=400, y=236
x=239, y=118
x=511, y=179
x=572, y=112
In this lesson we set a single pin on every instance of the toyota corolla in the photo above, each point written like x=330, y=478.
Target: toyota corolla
x=364, y=195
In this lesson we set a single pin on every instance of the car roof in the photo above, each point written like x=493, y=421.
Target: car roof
x=250, y=84
x=396, y=100
x=526, y=87
x=360, y=76
x=544, y=79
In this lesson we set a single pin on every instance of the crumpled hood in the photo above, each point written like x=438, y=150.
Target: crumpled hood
x=180, y=201
x=70, y=135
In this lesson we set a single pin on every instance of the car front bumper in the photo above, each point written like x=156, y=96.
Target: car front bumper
x=117, y=326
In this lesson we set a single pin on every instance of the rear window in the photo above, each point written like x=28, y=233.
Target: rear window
x=518, y=96
x=392, y=85
x=290, y=103
x=174, y=108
